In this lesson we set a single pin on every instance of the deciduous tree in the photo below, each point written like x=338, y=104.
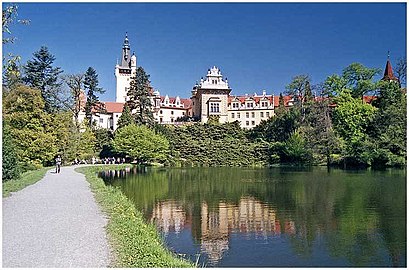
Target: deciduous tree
x=141, y=143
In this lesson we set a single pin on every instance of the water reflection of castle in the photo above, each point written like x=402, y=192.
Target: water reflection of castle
x=249, y=216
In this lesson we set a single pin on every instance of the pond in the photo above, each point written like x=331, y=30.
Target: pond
x=275, y=217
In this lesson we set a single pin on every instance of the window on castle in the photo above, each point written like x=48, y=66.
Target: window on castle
x=171, y=120
x=253, y=123
x=249, y=104
x=160, y=112
x=247, y=115
x=238, y=115
x=261, y=114
x=183, y=113
x=214, y=107
x=252, y=114
x=232, y=115
x=171, y=112
x=235, y=105
x=267, y=114
x=161, y=119
x=101, y=120
x=247, y=123
x=264, y=104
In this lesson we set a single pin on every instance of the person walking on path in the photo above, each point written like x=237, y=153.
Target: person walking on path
x=55, y=223
x=58, y=164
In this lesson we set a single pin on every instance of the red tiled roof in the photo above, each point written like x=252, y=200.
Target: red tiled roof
x=187, y=102
x=242, y=99
x=277, y=100
x=114, y=107
x=388, y=74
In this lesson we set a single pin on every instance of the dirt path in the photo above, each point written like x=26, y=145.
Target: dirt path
x=54, y=223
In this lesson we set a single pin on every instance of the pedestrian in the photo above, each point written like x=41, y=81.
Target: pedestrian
x=93, y=160
x=58, y=164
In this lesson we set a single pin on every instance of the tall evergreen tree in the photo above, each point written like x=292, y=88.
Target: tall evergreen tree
x=139, y=98
x=91, y=85
x=126, y=117
x=40, y=74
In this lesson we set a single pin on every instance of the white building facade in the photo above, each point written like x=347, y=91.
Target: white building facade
x=210, y=99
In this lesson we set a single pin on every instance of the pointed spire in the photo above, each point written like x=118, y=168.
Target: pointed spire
x=388, y=74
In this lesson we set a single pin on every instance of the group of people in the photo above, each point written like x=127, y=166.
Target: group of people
x=107, y=160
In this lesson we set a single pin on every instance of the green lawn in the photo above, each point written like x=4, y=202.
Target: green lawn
x=26, y=179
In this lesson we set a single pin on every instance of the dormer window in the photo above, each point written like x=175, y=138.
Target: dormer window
x=264, y=104
x=235, y=105
x=249, y=104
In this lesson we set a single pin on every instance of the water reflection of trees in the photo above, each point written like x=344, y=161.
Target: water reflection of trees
x=358, y=214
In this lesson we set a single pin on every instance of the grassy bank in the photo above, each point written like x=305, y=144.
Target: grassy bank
x=134, y=242
x=26, y=179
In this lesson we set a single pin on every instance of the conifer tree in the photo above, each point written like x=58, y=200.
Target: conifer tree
x=139, y=98
x=126, y=117
x=91, y=85
x=40, y=74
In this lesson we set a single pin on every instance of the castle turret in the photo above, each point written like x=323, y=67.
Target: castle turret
x=123, y=71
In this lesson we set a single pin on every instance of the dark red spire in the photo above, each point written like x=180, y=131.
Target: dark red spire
x=388, y=74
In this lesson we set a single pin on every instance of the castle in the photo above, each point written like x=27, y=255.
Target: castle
x=211, y=98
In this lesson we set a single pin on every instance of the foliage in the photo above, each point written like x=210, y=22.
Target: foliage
x=279, y=127
x=10, y=165
x=299, y=88
x=40, y=74
x=214, y=145
x=136, y=244
x=359, y=79
x=92, y=103
x=333, y=85
x=139, y=101
x=295, y=150
x=9, y=17
x=352, y=120
x=103, y=139
x=126, y=117
x=389, y=126
x=141, y=143
x=400, y=70
x=25, y=179
x=29, y=127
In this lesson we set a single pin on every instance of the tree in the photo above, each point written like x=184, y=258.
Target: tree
x=10, y=160
x=76, y=102
x=91, y=85
x=359, y=79
x=400, y=70
x=103, y=139
x=9, y=16
x=126, y=117
x=389, y=125
x=141, y=143
x=11, y=63
x=30, y=127
x=139, y=98
x=40, y=74
x=333, y=85
x=352, y=119
x=318, y=133
x=298, y=88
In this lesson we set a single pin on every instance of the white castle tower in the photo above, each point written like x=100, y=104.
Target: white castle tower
x=124, y=70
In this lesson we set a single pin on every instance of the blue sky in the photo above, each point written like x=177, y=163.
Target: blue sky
x=257, y=46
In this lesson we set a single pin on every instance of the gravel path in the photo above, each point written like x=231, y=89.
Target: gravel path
x=54, y=223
